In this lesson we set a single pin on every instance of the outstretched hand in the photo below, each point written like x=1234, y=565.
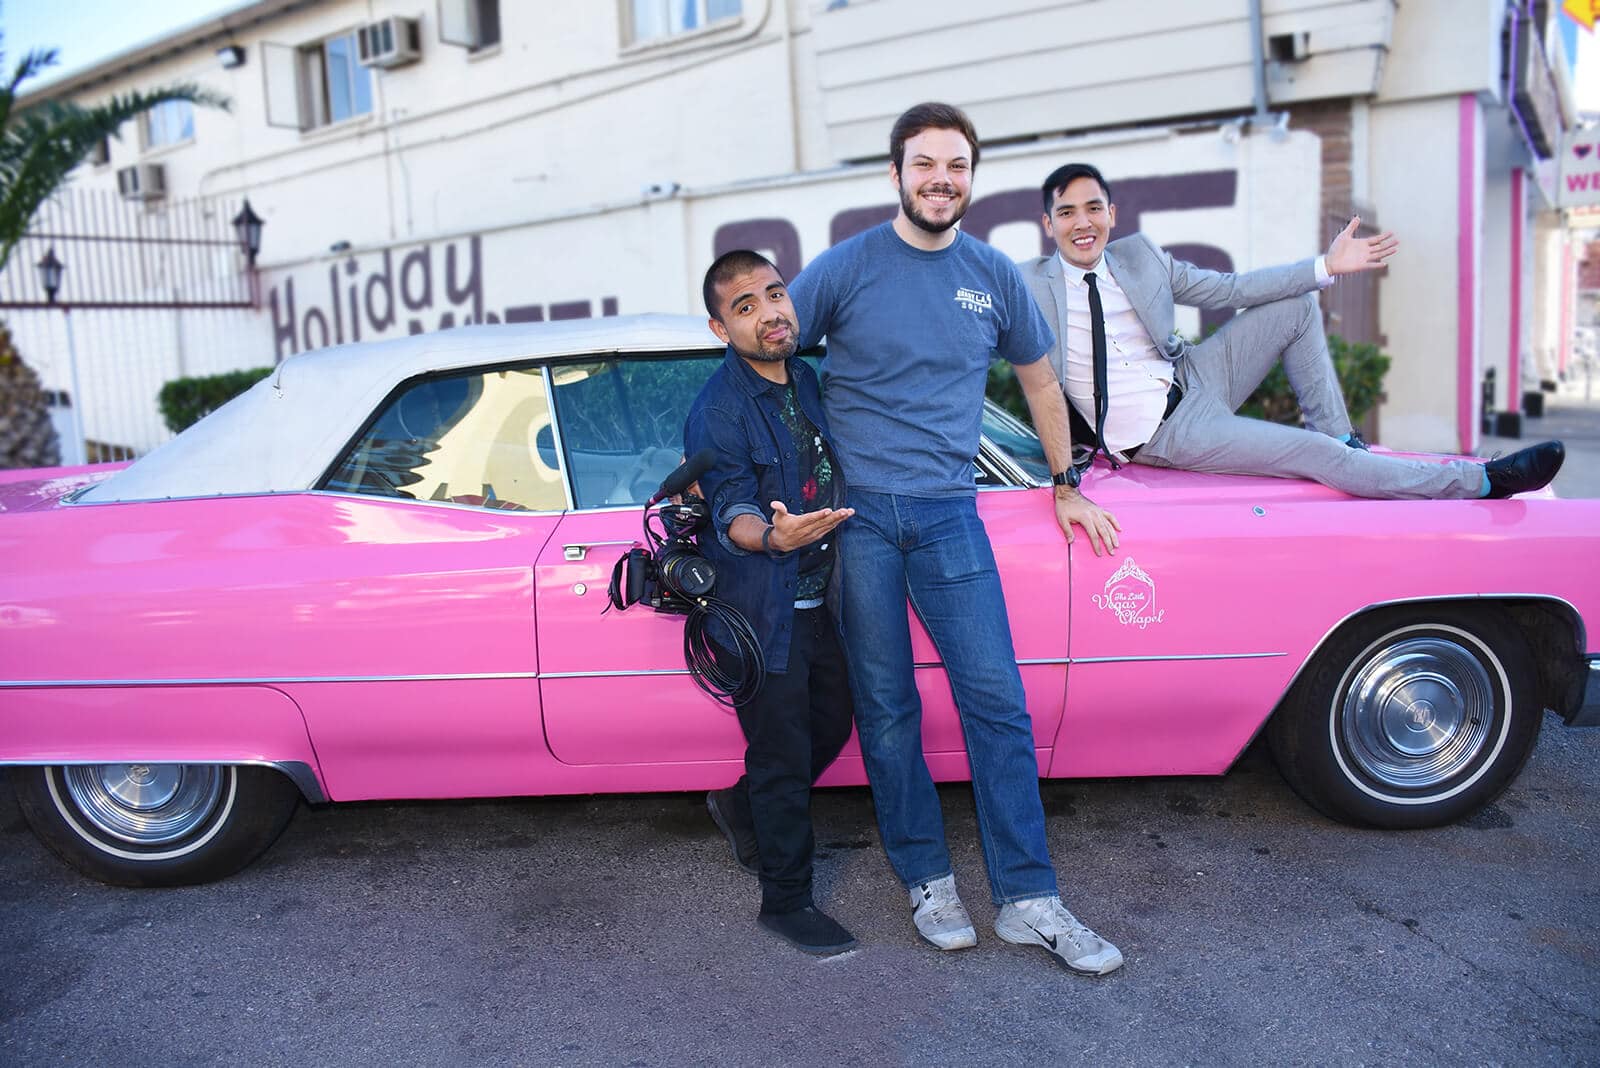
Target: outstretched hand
x=791, y=532
x=1349, y=253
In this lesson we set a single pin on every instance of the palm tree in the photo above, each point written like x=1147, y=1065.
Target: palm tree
x=39, y=147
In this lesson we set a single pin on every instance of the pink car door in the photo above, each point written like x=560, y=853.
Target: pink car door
x=614, y=685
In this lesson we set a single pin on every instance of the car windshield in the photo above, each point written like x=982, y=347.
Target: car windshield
x=1017, y=439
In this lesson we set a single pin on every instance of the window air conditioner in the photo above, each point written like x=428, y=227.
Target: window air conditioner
x=142, y=181
x=390, y=42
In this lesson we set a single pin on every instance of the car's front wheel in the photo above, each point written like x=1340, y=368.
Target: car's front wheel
x=1411, y=717
x=155, y=824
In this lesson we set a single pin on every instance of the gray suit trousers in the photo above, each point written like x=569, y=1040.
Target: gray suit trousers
x=1220, y=373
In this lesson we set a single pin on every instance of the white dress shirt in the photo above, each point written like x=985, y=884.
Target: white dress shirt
x=1137, y=375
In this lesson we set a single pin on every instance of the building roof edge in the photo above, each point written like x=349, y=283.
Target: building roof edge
x=213, y=28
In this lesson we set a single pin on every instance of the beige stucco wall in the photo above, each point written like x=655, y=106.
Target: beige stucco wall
x=1413, y=174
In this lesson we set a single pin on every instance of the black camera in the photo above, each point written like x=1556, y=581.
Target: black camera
x=672, y=574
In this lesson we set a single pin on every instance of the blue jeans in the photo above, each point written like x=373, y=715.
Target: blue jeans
x=935, y=551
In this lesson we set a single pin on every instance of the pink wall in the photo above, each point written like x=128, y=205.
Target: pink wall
x=1519, y=208
x=1466, y=271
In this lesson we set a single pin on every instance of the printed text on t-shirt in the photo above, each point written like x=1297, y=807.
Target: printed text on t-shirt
x=974, y=300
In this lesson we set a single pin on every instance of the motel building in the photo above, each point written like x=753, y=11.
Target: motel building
x=423, y=164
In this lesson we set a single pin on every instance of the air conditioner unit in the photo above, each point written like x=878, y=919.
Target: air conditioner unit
x=390, y=42
x=142, y=181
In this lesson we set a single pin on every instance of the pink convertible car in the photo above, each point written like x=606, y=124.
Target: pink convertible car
x=381, y=574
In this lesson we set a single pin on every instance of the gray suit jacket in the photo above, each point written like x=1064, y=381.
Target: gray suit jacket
x=1155, y=283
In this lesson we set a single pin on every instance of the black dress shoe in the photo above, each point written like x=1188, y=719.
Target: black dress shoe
x=730, y=809
x=809, y=929
x=1526, y=469
x=1356, y=441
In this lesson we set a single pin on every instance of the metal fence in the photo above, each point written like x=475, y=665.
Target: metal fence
x=151, y=291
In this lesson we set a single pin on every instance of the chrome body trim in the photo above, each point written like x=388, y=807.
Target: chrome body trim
x=8, y=684
x=1002, y=466
x=611, y=674
x=11, y=684
x=298, y=771
x=1187, y=656
x=555, y=437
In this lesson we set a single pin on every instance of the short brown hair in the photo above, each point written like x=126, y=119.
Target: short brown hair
x=930, y=116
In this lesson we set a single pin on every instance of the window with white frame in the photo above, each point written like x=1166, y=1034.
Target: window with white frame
x=655, y=19
x=170, y=122
x=334, y=85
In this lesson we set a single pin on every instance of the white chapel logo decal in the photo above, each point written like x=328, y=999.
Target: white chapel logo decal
x=1131, y=594
x=974, y=300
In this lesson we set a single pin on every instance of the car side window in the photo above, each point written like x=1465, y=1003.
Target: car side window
x=482, y=438
x=621, y=423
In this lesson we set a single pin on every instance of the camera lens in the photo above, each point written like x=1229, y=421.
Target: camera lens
x=685, y=572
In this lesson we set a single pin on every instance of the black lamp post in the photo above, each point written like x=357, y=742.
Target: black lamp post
x=247, y=225
x=50, y=270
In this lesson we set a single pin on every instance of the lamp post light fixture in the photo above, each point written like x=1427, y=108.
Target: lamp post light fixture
x=247, y=227
x=51, y=270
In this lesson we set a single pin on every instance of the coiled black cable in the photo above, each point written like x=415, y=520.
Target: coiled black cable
x=746, y=669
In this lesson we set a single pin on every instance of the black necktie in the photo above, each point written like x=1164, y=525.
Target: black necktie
x=1097, y=332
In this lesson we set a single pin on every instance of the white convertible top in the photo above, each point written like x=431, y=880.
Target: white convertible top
x=285, y=431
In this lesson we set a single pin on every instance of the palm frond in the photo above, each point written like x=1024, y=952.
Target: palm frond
x=30, y=65
x=42, y=144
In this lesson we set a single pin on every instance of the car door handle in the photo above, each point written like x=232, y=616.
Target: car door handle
x=579, y=551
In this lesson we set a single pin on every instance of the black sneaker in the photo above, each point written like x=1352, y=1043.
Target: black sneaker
x=1356, y=441
x=810, y=930
x=730, y=809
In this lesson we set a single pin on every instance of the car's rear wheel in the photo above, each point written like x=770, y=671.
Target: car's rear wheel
x=1411, y=717
x=156, y=824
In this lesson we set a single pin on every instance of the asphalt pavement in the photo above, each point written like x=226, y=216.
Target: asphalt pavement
x=617, y=931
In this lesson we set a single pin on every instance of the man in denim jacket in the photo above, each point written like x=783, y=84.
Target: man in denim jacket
x=772, y=492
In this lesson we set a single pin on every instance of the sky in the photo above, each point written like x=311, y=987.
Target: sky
x=88, y=30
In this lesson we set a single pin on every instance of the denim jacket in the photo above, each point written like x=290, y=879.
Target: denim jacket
x=739, y=415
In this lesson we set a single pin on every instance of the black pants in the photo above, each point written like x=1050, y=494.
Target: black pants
x=794, y=727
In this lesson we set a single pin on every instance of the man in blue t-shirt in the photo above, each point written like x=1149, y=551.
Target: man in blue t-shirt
x=914, y=311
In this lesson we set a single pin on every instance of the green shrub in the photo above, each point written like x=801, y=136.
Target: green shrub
x=1360, y=367
x=1004, y=389
x=184, y=401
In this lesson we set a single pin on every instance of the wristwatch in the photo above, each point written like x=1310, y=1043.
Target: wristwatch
x=1069, y=477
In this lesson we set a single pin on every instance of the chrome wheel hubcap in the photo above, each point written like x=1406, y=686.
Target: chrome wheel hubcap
x=145, y=804
x=1418, y=712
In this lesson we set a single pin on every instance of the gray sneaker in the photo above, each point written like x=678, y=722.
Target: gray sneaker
x=940, y=916
x=1045, y=921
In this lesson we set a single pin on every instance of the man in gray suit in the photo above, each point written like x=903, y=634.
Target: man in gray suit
x=1137, y=391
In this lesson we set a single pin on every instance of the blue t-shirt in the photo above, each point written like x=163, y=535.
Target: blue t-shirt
x=910, y=338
